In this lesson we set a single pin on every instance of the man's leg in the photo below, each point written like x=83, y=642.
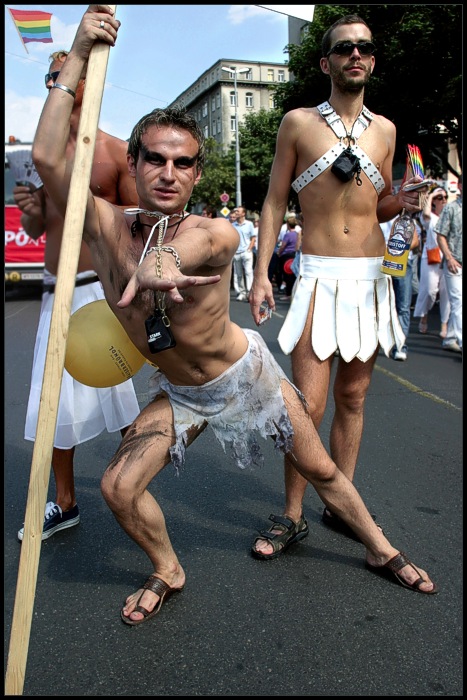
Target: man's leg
x=143, y=453
x=248, y=269
x=350, y=389
x=62, y=465
x=63, y=469
x=403, y=293
x=339, y=494
x=454, y=288
x=238, y=282
x=312, y=377
x=444, y=303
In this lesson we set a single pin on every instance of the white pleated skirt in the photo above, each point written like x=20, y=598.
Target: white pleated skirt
x=83, y=412
x=354, y=308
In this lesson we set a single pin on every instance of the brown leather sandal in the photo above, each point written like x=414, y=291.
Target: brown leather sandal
x=391, y=570
x=160, y=588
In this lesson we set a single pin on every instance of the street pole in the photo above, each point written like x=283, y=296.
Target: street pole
x=238, y=186
x=238, y=192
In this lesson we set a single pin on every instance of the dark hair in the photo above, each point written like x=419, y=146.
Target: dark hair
x=210, y=210
x=348, y=19
x=178, y=118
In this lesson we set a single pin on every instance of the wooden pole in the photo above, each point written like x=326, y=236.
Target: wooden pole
x=54, y=364
x=19, y=33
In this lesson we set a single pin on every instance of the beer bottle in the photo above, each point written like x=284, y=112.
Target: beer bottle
x=398, y=246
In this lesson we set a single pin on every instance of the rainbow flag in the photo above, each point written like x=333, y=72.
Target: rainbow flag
x=32, y=25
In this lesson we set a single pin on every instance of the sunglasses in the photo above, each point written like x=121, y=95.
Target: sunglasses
x=346, y=48
x=52, y=76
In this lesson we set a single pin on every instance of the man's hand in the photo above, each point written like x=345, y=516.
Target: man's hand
x=145, y=277
x=98, y=24
x=28, y=202
x=261, y=290
x=411, y=201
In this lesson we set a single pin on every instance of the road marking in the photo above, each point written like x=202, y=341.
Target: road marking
x=416, y=389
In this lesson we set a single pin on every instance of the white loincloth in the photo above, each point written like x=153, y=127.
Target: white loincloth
x=83, y=411
x=244, y=400
x=354, y=309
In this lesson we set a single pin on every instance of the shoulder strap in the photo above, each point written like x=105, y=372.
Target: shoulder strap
x=333, y=119
x=335, y=122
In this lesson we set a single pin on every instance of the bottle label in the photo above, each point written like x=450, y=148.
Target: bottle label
x=389, y=265
x=397, y=245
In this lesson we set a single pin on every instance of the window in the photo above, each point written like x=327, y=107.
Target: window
x=281, y=76
x=218, y=100
x=249, y=99
x=248, y=76
x=271, y=75
x=232, y=98
x=219, y=130
x=272, y=104
x=232, y=123
x=213, y=127
x=205, y=109
x=206, y=131
x=213, y=105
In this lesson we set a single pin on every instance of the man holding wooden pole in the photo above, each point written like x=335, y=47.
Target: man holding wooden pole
x=84, y=411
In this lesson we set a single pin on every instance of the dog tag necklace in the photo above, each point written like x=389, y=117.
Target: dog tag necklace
x=159, y=335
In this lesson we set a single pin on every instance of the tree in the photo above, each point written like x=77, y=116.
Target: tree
x=257, y=143
x=218, y=177
x=257, y=139
x=417, y=81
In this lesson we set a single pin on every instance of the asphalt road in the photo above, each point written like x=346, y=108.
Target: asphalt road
x=313, y=622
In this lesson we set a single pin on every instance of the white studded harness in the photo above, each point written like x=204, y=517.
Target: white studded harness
x=335, y=122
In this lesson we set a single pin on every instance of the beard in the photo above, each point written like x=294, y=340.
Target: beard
x=347, y=84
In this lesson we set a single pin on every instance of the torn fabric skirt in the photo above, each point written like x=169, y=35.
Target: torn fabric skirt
x=242, y=402
x=354, y=308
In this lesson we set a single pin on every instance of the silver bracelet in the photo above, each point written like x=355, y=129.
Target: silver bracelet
x=166, y=249
x=65, y=88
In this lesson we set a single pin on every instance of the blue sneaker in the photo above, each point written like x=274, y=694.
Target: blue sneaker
x=55, y=519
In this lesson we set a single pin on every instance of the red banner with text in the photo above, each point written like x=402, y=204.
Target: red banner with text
x=20, y=249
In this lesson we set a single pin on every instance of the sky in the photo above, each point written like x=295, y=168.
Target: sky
x=160, y=51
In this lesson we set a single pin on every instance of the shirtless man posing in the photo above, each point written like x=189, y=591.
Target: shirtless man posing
x=341, y=300
x=178, y=266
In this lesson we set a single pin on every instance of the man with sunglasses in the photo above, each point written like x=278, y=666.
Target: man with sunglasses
x=338, y=156
x=83, y=412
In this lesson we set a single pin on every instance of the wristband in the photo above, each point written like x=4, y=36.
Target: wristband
x=65, y=88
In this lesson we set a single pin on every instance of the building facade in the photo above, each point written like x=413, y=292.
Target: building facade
x=211, y=99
